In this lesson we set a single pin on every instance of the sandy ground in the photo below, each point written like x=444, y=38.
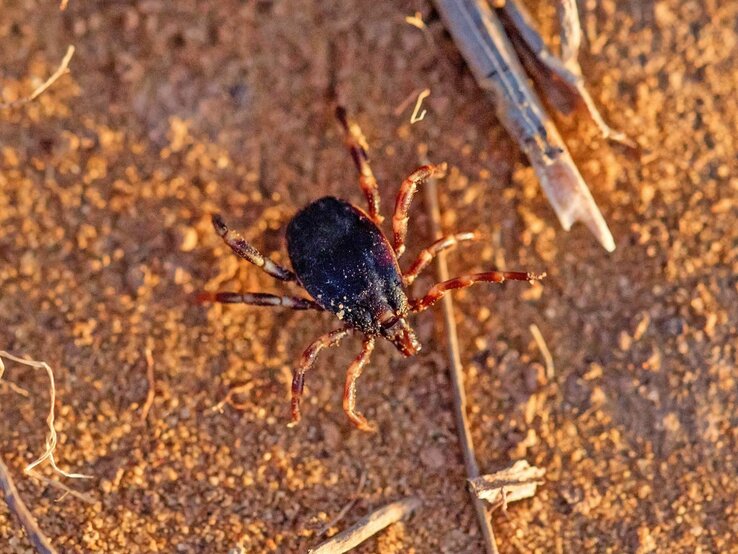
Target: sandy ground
x=175, y=110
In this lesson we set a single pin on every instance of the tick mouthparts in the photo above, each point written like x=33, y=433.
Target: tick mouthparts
x=220, y=226
x=407, y=343
x=402, y=336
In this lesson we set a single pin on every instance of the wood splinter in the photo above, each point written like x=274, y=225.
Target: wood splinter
x=514, y=483
x=15, y=504
x=368, y=526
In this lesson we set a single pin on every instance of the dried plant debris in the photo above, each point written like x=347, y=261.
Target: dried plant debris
x=561, y=78
x=51, y=436
x=368, y=526
x=62, y=70
x=492, y=58
x=515, y=483
x=16, y=505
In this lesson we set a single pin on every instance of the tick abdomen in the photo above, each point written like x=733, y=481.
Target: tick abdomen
x=346, y=264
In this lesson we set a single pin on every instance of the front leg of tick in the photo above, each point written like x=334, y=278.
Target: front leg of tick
x=439, y=290
x=405, y=197
x=306, y=362
x=349, y=391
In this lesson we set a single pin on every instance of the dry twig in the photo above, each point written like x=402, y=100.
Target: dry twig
x=488, y=51
x=151, y=394
x=562, y=76
x=414, y=118
x=367, y=526
x=457, y=376
x=20, y=391
x=416, y=20
x=545, y=352
x=61, y=70
x=15, y=503
x=406, y=102
x=229, y=398
x=84, y=497
x=345, y=509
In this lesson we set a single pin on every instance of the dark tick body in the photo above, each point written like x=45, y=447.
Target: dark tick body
x=341, y=257
x=344, y=261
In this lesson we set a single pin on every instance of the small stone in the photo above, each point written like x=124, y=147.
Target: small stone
x=187, y=239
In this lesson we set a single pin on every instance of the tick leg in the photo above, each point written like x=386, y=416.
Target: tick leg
x=306, y=362
x=439, y=290
x=357, y=146
x=405, y=197
x=427, y=254
x=259, y=299
x=349, y=391
x=246, y=251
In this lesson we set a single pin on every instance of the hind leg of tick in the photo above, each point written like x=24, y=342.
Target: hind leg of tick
x=259, y=299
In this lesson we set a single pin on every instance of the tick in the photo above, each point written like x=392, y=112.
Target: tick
x=341, y=257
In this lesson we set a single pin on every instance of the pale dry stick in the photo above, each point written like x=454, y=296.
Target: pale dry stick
x=414, y=118
x=415, y=20
x=20, y=391
x=545, y=352
x=233, y=391
x=343, y=511
x=15, y=503
x=406, y=102
x=368, y=526
x=84, y=497
x=571, y=30
x=511, y=484
x=61, y=70
x=565, y=74
x=457, y=375
x=480, y=37
x=151, y=393
x=51, y=437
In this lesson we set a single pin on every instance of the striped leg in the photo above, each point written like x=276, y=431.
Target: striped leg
x=349, y=391
x=259, y=299
x=427, y=254
x=357, y=146
x=405, y=197
x=244, y=250
x=439, y=290
x=306, y=362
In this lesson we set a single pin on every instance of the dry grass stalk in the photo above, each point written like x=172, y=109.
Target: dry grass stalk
x=66, y=491
x=151, y=393
x=368, y=526
x=51, y=437
x=60, y=71
x=457, y=375
x=414, y=118
x=345, y=509
x=545, y=352
x=15, y=503
x=514, y=483
x=416, y=20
